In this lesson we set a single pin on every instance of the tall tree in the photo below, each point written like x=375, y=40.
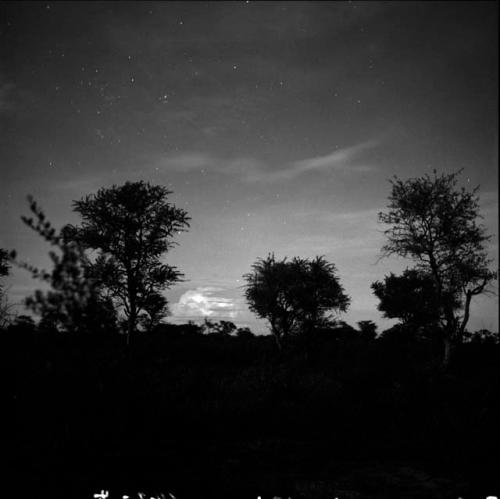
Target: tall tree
x=294, y=296
x=131, y=227
x=435, y=223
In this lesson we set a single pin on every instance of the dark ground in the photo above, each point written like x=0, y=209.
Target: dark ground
x=204, y=416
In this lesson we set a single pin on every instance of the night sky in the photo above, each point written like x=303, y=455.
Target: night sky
x=276, y=125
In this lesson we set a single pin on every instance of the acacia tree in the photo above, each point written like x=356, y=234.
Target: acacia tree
x=295, y=296
x=131, y=227
x=436, y=224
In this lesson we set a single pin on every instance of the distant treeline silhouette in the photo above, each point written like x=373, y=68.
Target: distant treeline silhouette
x=109, y=273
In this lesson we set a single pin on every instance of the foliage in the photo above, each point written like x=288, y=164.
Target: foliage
x=74, y=303
x=294, y=296
x=436, y=224
x=411, y=297
x=131, y=227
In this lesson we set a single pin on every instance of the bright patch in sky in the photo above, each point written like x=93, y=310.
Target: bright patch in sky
x=204, y=302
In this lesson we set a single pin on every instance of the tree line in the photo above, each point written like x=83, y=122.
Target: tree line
x=108, y=270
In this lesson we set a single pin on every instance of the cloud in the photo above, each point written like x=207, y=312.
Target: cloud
x=189, y=162
x=364, y=218
x=337, y=160
x=253, y=171
x=204, y=302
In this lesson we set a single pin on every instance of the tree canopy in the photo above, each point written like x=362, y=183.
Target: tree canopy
x=294, y=296
x=130, y=227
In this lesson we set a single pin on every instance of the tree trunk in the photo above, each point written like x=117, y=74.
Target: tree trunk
x=276, y=334
x=465, y=320
x=131, y=326
x=279, y=344
x=132, y=316
x=450, y=336
x=447, y=352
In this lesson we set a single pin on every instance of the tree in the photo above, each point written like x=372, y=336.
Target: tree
x=295, y=296
x=436, y=224
x=74, y=302
x=131, y=227
x=4, y=304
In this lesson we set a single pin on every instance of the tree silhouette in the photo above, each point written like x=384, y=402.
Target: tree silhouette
x=74, y=302
x=4, y=305
x=435, y=224
x=131, y=227
x=295, y=296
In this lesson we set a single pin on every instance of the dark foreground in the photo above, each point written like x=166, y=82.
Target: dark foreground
x=212, y=416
